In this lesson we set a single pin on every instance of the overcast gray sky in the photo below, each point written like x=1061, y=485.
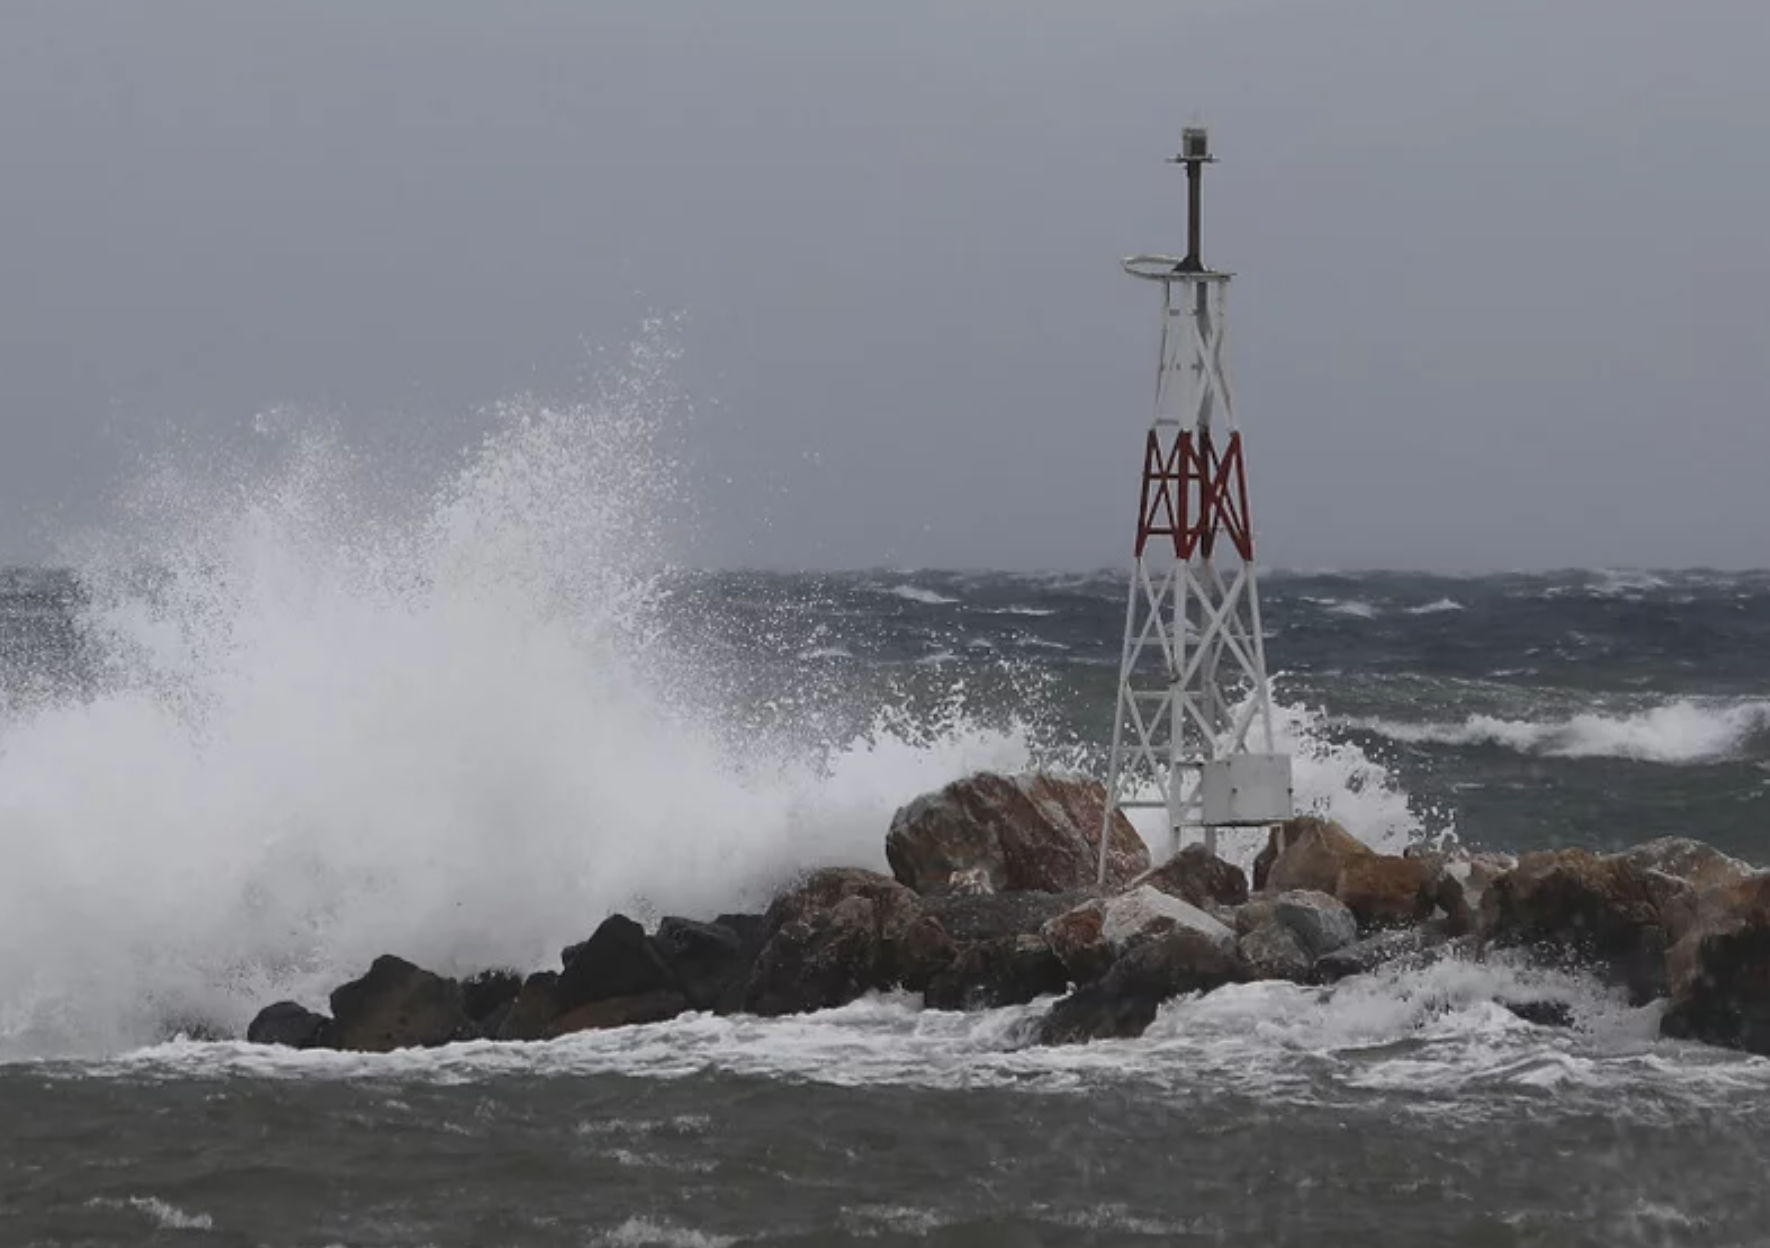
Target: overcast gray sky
x=1502, y=266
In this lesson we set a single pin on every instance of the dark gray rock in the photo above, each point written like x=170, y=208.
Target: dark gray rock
x=1402, y=946
x=532, y=1013
x=291, y=1025
x=1125, y=1000
x=973, y=918
x=709, y=961
x=619, y=960
x=1320, y=923
x=1008, y=970
x=484, y=993
x=398, y=1006
x=1272, y=951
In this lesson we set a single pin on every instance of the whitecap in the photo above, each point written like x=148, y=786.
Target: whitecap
x=1435, y=608
x=915, y=593
x=1681, y=732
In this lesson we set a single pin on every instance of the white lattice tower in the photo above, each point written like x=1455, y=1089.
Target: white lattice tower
x=1192, y=692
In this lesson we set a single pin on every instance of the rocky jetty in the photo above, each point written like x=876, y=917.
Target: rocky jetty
x=992, y=902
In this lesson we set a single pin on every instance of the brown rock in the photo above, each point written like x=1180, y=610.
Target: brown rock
x=841, y=933
x=1698, y=864
x=1719, y=972
x=1078, y=938
x=1198, y=876
x=646, y=1007
x=1608, y=911
x=1308, y=853
x=998, y=833
x=1384, y=890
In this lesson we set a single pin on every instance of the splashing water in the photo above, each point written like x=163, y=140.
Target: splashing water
x=327, y=729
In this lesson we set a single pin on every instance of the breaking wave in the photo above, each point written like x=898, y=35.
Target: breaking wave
x=1681, y=732
x=327, y=727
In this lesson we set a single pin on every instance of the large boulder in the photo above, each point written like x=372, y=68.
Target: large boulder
x=531, y=1014
x=711, y=961
x=1198, y=876
x=1270, y=950
x=654, y=1006
x=1607, y=911
x=841, y=933
x=1387, y=890
x=1698, y=864
x=1091, y=936
x=1006, y=970
x=1321, y=924
x=619, y=960
x=1401, y=946
x=996, y=833
x=1719, y=971
x=972, y=918
x=291, y=1025
x=487, y=997
x=1307, y=852
x=1463, y=879
x=397, y=1005
x=1124, y=1001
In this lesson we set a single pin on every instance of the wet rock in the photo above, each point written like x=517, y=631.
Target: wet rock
x=999, y=833
x=1272, y=951
x=398, y=1006
x=1402, y=946
x=483, y=994
x=1697, y=863
x=1386, y=890
x=1007, y=970
x=709, y=961
x=1542, y=1013
x=1077, y=938
x=1608, y=912
x=1094, y=934
x=841, y=933
x=1307, y=852
x=1124, y=1001
x=1463, y=880
x=291, y=1025
x=1719, y=970
x=655, y=1006
x=619, y=960
x=536, y=1005
x=1197, y=876
x=1321, y=924
x=972, y=918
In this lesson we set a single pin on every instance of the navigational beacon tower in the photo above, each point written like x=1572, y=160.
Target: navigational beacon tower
x=1192, y=734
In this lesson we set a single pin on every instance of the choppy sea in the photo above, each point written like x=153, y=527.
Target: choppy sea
x=258, y=735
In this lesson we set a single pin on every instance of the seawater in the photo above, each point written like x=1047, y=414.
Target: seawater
x=279, y=720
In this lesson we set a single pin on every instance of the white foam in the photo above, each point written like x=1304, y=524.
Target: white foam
x=650, y=1233
x=1681, y=732
x=1440, y=1030
x=1436, y=608
x=915, y=593
x=164, y=1215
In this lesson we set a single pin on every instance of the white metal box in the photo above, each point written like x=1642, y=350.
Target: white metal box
x=1246, y=789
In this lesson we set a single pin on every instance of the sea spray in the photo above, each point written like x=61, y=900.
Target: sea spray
x=327, y=727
